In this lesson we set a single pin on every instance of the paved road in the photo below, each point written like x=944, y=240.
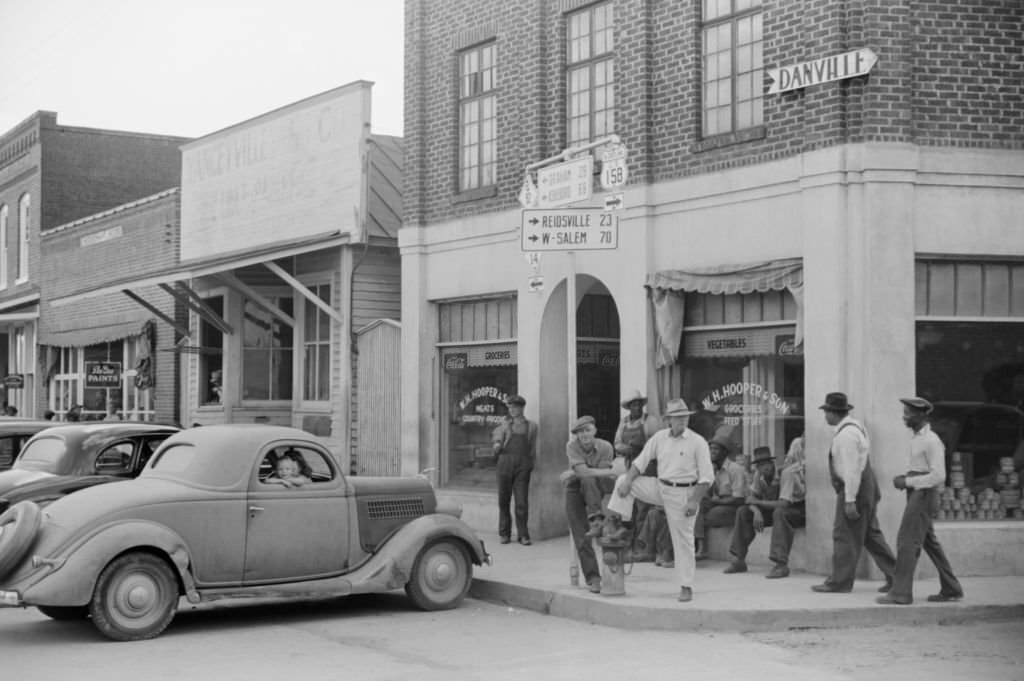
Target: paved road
x=381, y=638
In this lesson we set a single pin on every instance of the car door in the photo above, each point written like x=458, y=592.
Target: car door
x=296, y=533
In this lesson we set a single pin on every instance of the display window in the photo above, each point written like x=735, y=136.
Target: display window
x=746, y=385
x=476, y=382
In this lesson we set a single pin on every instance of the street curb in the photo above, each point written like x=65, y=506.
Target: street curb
x=687, y=617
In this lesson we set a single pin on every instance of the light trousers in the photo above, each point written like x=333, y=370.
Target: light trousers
x=680, y=526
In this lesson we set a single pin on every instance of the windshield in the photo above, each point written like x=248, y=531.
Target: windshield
x=42, y=454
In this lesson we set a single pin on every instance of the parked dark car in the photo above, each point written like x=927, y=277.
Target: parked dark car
x=69, y=456
x=209, y=519
x=982, y=432
x=14, y=432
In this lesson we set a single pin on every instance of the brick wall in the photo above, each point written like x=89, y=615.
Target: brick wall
x=949, y=73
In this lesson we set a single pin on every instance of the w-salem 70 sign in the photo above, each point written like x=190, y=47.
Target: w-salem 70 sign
x=569, y=229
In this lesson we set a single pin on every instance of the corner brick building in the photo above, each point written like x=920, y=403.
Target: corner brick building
x=821, y=196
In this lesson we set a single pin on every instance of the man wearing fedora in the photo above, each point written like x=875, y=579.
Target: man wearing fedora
x=515, y=448
x=856, y=522
x=588, y=481
x=684, y=474
x=926, y=472
x=727, y=493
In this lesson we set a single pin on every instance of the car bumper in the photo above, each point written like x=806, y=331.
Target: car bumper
x=10, y=599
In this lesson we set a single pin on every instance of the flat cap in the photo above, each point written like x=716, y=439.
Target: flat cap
x=918, y=403
x=581, y=422
x=516, y=399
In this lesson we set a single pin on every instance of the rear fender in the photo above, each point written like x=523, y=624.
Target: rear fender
x=72, y=578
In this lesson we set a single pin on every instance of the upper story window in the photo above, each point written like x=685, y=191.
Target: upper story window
x=3, y=246
x=23, y=235
x=477, y=115
x=590, y=69
x=733, y=66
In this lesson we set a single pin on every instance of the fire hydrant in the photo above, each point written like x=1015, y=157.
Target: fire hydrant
x=614, y=543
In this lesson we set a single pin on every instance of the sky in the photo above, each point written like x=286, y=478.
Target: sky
x=192, y=67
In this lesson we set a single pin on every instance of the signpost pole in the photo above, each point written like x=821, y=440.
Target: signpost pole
x=570, y=332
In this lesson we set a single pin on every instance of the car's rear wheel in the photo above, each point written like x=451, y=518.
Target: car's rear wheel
x=18, y=526
x=135, y=598
x=61, y=612
x=440, y=575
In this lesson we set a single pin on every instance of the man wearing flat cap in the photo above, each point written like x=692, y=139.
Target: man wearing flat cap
x=926, y=472
x=515, y=447
x=855, y=526
x=588, y=481
x=684, y=474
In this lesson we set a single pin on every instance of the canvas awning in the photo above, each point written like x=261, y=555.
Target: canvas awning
x=668, y=287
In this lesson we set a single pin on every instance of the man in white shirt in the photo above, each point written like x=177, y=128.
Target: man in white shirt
x=855, y=526
x=926, y=472
x=684, y=475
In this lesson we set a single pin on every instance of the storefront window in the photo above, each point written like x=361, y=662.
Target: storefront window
x=267, y=352
x=747, y=385
x=316, y=345
x=477, y=380
x=104, y=372
x=973, y=372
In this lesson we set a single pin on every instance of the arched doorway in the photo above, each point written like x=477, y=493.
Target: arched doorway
x=597, y=356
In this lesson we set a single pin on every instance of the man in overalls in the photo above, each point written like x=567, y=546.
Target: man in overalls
x=856, y=522
x=515, y=448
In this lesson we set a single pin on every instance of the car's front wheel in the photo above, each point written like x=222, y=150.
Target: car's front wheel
x=62, y=612
x=135, y=598
x=440, y=576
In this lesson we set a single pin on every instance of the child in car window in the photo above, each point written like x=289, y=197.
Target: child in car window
x=289, y=471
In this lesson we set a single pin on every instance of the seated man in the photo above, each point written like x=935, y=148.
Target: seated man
x=590, y=479
x=791, y=512
x=763, y=496
x=728, y=492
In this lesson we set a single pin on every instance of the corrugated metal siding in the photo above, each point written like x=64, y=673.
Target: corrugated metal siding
x=378, y=399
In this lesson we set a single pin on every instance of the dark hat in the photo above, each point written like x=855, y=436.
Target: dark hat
x=581, y=422
x=516, y=399
x=836, y=402
x=723, y=442
x=763, y=454
x=917, y=403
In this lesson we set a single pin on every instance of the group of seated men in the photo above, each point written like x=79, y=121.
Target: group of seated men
x=748, y=501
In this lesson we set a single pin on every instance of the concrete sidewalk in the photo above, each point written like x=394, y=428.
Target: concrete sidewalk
x=537, y=578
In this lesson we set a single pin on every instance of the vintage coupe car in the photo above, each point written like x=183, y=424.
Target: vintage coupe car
x=14, y=432
x=206, y=519
x=70, y=456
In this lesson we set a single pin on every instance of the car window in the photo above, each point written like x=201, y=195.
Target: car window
x=115, y=459
x=8, y=449
x=148, y=446
x=312, y=464
x=42, y=454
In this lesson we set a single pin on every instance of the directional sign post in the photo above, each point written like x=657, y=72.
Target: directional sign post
x=825, y=70
x=567, y=182
x=614, y=171
x=569, y=229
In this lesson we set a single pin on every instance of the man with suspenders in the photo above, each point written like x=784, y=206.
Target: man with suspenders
x=857, y=495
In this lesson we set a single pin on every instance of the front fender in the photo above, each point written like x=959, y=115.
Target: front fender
x=391, y=565
x=71, y=578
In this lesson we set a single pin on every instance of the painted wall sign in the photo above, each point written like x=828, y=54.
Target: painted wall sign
x=746, y=403
x=753, y=342
x=99, y=237
x=483, y=406
x=102, y=374
x=824, y=70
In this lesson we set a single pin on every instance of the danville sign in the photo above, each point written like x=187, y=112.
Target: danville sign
x=825, y=70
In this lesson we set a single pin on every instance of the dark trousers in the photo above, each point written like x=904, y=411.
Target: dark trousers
x=916, y=532
x=652, y=539
x=851, y=537
x=594, y=491
x=785, y=522
x=576, y=513
x=515, y=482
x=716, y=515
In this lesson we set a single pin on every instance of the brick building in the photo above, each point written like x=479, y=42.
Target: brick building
x=51, y=175
x=821, y=196
x=109, y=352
